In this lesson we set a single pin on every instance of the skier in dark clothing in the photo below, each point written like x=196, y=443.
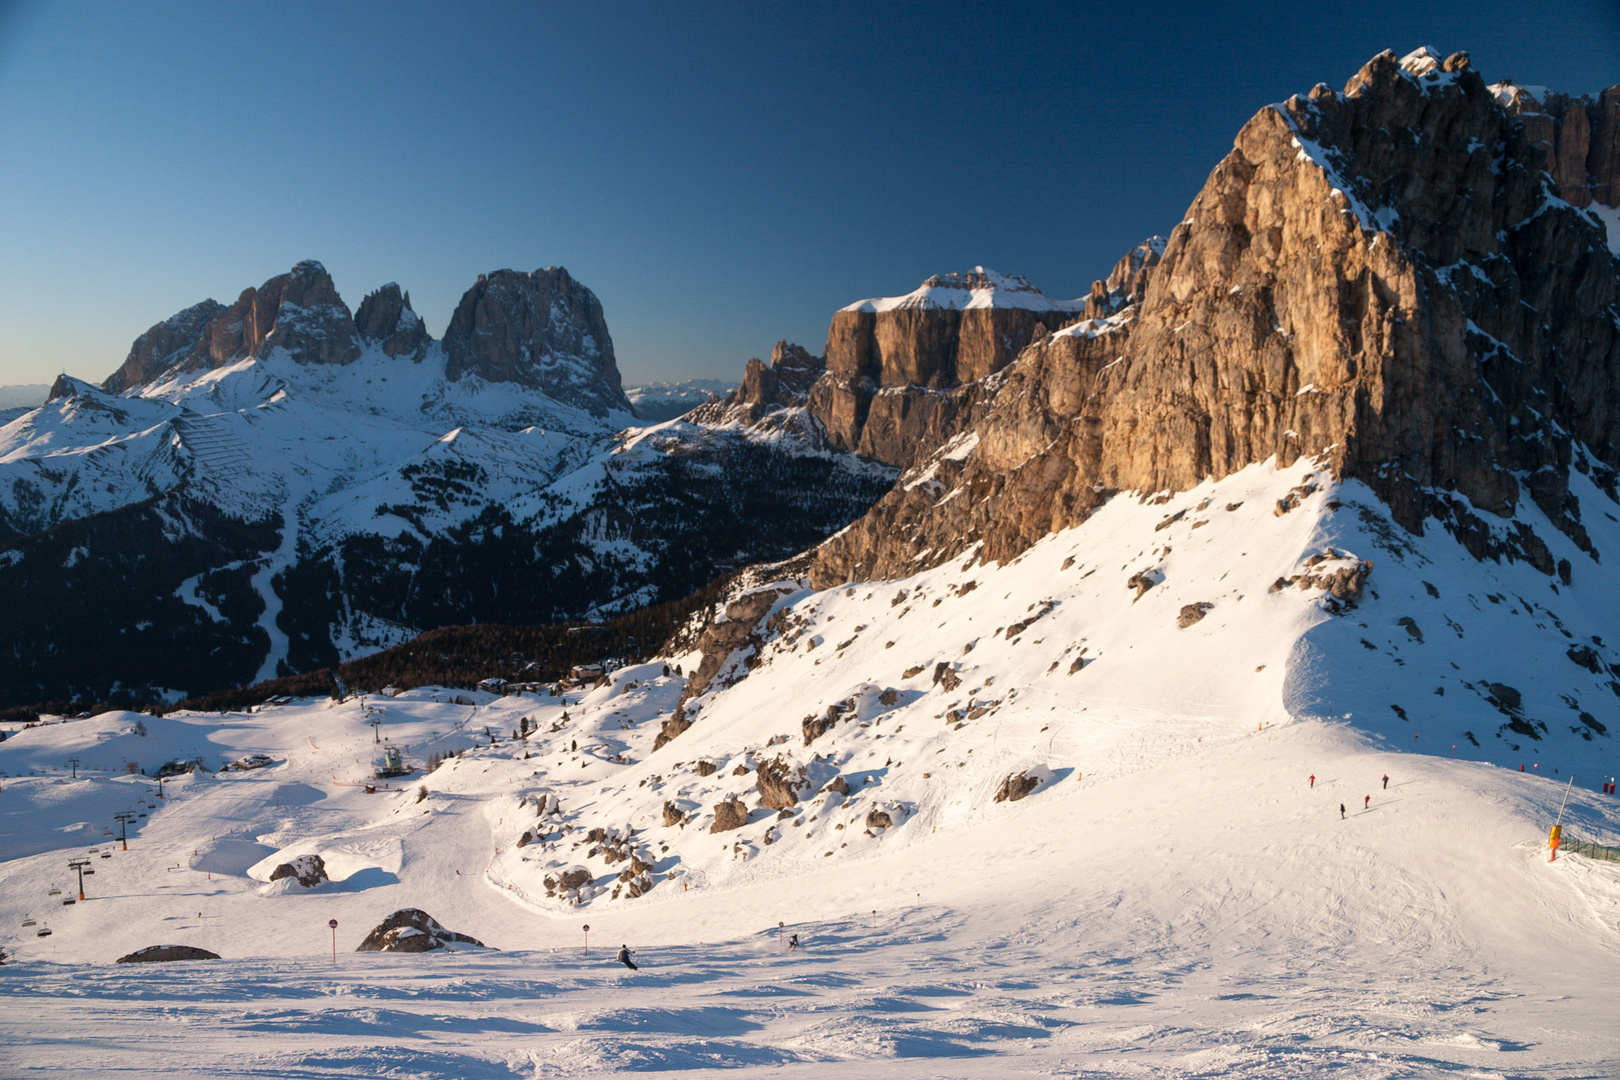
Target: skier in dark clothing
x=624, y=958
x=1386, y=781
x=1341, y=811
x=793, y=942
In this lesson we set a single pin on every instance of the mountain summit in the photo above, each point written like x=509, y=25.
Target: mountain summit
x=1384, y=277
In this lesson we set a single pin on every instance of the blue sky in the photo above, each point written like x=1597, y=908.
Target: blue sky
x=722, y=175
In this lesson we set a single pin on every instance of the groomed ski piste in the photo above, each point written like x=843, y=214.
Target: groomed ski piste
x=1173, y=898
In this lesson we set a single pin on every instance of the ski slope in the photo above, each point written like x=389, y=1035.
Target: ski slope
x=1174, y=898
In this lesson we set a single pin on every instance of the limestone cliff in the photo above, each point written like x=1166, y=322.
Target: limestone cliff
x=543, y=330
x=895, y=365
x=1384, y=278
x=1579, y=138
x=299, y=311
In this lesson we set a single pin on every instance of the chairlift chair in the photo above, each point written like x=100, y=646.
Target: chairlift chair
x=43, y=931
x=54, y=892
x=27, y=921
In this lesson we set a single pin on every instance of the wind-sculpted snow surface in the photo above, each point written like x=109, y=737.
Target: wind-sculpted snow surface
x=1174, y=886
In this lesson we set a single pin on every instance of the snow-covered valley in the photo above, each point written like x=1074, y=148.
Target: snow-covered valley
x=1174, y=897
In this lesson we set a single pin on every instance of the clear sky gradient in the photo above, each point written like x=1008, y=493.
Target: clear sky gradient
x=722, y=175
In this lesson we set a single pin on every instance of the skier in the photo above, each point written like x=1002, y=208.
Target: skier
x=1386, y=781
x=1341, y=811
x=1365, y=801
x=793, y=942
x=1313, y=781
x=624, y=958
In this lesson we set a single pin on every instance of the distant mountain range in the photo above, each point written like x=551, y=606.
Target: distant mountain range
x=278, y=484
x=656, y=402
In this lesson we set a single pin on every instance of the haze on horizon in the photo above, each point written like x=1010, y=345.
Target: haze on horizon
x=721, y=178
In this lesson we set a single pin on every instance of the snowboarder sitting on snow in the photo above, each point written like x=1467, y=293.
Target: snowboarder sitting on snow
x=624, y=958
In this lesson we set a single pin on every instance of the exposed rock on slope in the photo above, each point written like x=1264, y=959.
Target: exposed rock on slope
x=543, y=330
x=1382, y=277
x=736, y=630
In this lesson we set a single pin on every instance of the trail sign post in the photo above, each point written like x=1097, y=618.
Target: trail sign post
x=587, y=939
x=73, y=767
x=79, y=865
x=333, y=925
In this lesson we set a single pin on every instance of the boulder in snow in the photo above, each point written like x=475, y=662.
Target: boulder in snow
x=778, y=783
x=1191, y=613
x=412, y=930
x=158, y=954
x=309, y=870
x=728, y=815
x=1016, y=786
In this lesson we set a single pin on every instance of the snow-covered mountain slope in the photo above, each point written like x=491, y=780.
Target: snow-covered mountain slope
x=655, y=402
x=242, y=510
x=1172, y=885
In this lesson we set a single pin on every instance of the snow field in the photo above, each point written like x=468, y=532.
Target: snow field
x=1173, y=898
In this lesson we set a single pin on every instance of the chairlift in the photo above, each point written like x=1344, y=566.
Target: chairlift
x=54, y=892
x=68, y=901
x=107, y=833
x=43, y=931
x=106, y=854
x=30, y=922
x=88, y=872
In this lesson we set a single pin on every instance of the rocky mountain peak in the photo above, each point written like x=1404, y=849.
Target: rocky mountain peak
x=386, y=318
x=1384, y=280
x=299, y=311
x=784, y=383
x=1127, y=282
x=66, y=386
x=542, y=330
